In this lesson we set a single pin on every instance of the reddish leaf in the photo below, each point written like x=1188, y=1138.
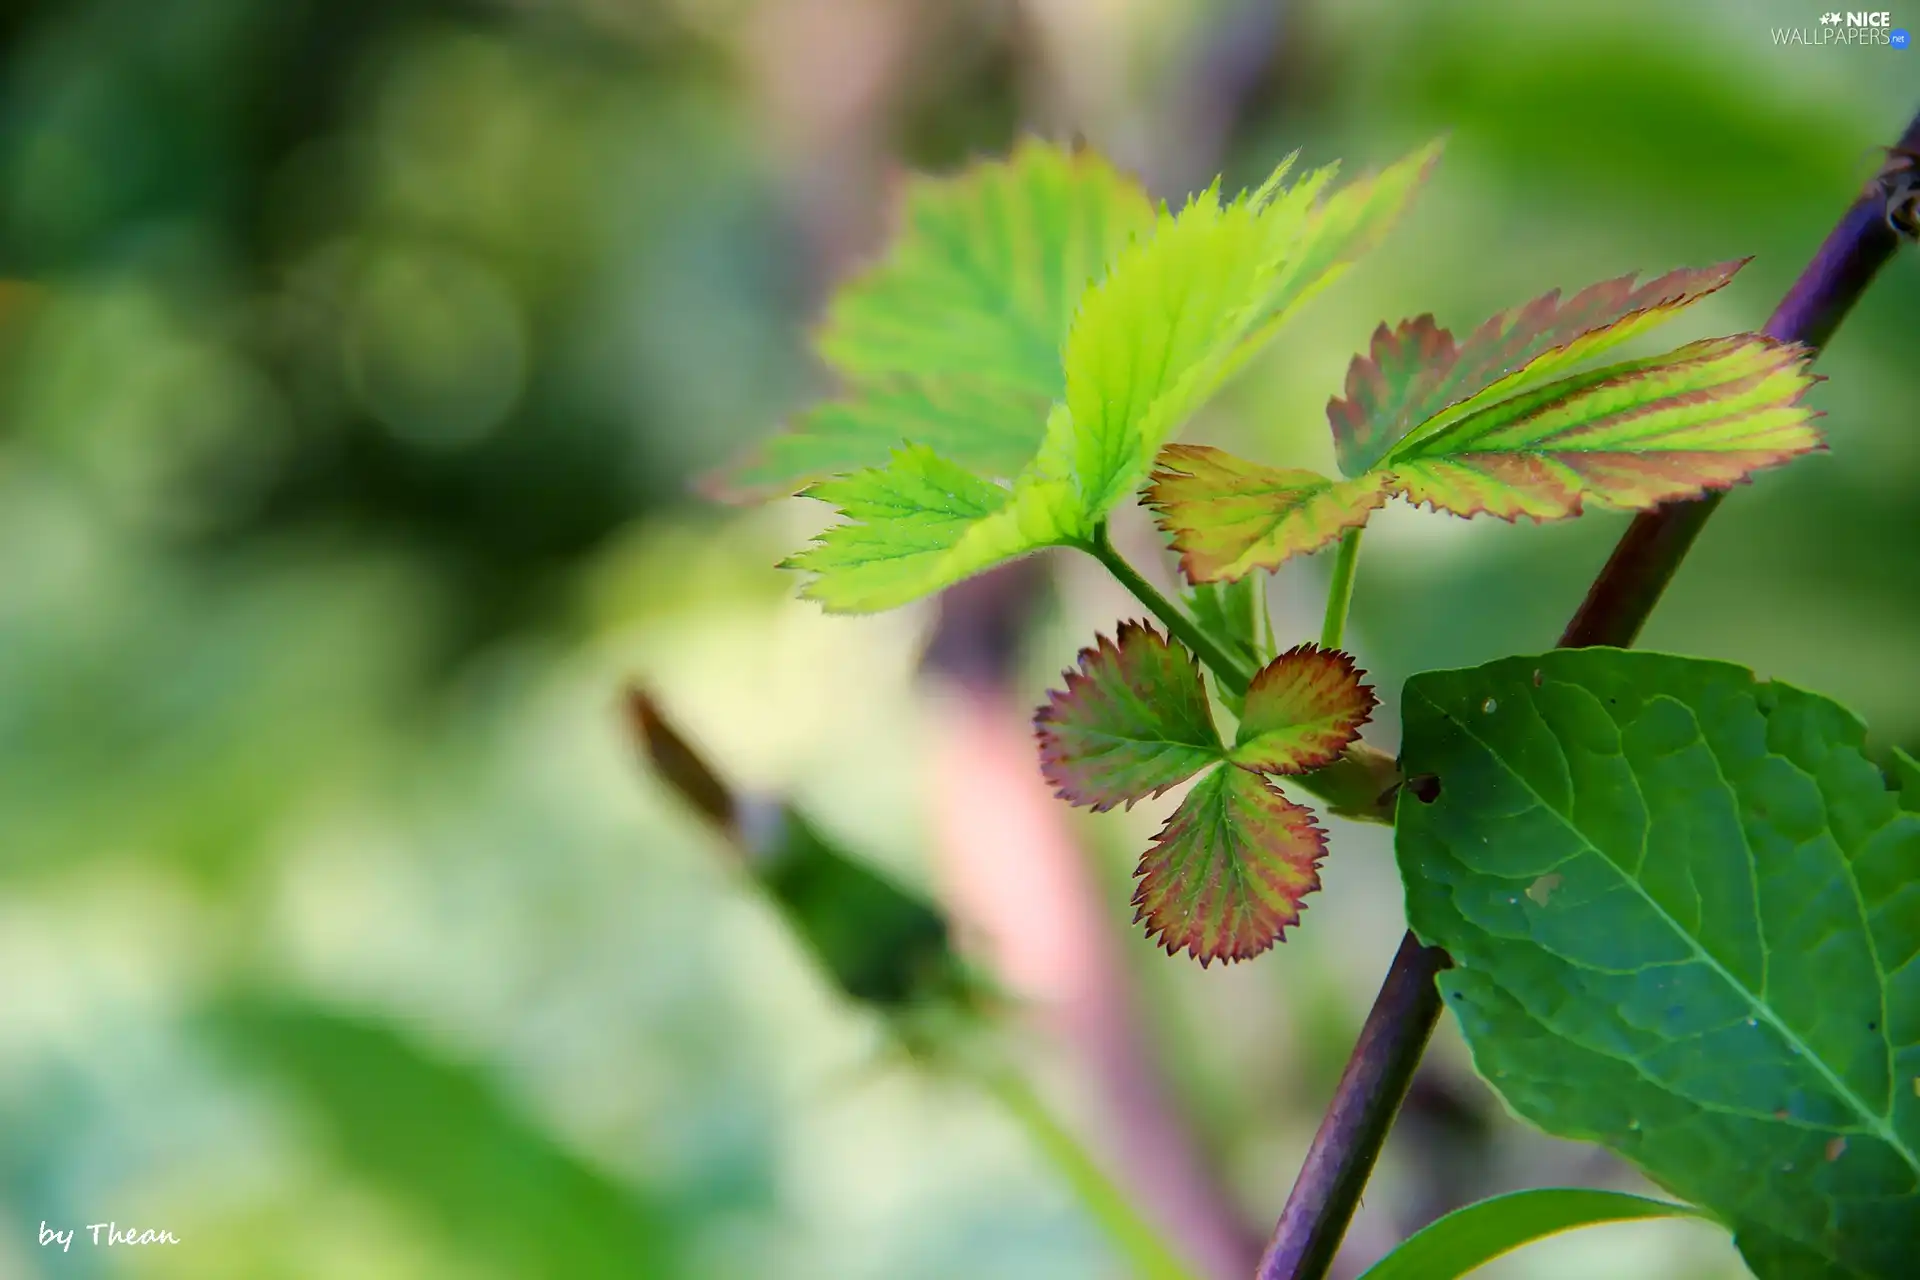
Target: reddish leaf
x=1132, y=722
x=1229, y=516
x=1225, y=877
x=1631, y=435
x=1416, y=371
x=1302, y=710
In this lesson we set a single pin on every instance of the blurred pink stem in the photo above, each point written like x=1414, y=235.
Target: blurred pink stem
x=1023, y=898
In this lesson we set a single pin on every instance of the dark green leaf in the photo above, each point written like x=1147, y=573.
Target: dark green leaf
x=1685, y=911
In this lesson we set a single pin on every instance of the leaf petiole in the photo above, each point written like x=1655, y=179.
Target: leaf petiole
x=1359, y=785
x=1231, y=671
x=1340, y=590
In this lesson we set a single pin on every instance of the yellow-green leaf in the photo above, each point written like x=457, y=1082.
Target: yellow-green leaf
x=1631, y=435
x=1183, y=310
x=1302, y=710
x=952, y=340
x=1178, y=312
x=1415, y=378
x=1228, y=516
x=905, y=525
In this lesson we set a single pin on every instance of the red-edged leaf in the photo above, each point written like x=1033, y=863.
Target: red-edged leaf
x=1225, y=877
x=1416, y=373
x=1302, y=710
x=1631, y=435
x=1132, y=721
x=1229, y=516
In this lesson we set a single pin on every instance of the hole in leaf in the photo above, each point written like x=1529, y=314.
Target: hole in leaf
x=1425, y=787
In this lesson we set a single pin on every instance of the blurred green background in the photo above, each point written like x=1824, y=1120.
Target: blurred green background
x=349, y=435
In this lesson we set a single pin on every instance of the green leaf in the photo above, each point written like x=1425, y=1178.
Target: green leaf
x=952, y=341
x=1630, y=435
x=1225, y=877
x=1415, y=377
x=1684, y=915
x=1178, y=313
x=1905, y=774
x=440, y=1139
x=876, y=941
x=1185, y=309
x=990, y=428
x=921, y=524
x=1467, y=1239
x=1228, y=516
x=1131, y=723
x=1302, y=710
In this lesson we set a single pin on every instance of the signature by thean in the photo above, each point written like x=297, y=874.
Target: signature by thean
x=114, y=1234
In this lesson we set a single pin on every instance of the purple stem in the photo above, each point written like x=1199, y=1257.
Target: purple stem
x=1401, y=1022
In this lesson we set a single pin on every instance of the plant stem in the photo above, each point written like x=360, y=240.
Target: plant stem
x=1132, y=1236
x=1340, y=590
x=1616, y=607
x=1355, y=1126
x=1228, y=669
x=1358, y=785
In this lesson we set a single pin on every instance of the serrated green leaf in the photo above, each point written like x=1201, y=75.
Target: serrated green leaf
x=906, y=526
x=1225, y=877
x=1468, y=1238
x=1132, y=722
x=990, y=428
x=1179, y=311
x=1684, y=916
x=952, y=341
x=1630, y=435
x=1416, y=378
x=1228, y=516
x=1353, y=221
x=1302, y=710
x=1183, y=310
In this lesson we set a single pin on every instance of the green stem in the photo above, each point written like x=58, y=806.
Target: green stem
x=1340, y=591
x=1136, y=1239
x=1230, y=671
x=1359, y=785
